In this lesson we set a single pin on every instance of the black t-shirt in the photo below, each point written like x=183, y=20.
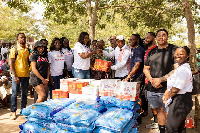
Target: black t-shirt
x=137, y=55
x=42, y=63
x=161, y=62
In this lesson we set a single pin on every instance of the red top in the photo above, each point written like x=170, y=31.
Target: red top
x=145, y=56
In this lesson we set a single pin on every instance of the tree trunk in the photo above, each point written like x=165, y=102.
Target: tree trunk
x=92, y=17
x=191, y=35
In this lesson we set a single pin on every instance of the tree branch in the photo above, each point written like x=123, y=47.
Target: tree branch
x=130, y=6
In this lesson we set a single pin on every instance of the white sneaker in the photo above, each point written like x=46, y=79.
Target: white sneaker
x=13, y=116
x=156, y=131
x=152, y=126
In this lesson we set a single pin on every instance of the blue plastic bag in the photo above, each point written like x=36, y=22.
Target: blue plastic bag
x=30, y=127
x=114, y=119
x=134, y=130
x=46, y=110
x=126, y=129
x=79, y=116
x=63, y=131
x=93, y=105
x=126, y=104
x=108, y=101
x=74, y=128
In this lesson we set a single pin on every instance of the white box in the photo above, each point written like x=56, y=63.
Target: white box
x=82, y=97
x=128, y=90
x=86, y=80
x=90, y=90
x=108, y=87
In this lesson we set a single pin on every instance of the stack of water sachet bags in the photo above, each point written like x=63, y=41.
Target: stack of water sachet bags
x=40, y=116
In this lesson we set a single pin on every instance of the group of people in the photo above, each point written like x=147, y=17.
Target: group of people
x=162, y=69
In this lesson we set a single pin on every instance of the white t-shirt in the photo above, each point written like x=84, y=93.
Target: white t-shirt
x=181, y=79
x=110, y=49
x=69, y=58
x=120, y=67
x=80, y=63
x=3, y=50
x=56, y=60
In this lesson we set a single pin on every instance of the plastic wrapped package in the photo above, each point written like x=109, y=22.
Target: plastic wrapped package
x=108, y=101
x=46, y=110
x=93, y=105
x=63, y=131
x=79, y=116
x=75, y=128
x=134, y=130
x=126, y=104
x=44, y=127
x=126, y=129
x=114, y=119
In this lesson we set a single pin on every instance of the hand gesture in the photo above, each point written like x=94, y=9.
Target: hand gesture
x=156, y=83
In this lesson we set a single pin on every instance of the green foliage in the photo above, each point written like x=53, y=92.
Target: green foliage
x=13, y=22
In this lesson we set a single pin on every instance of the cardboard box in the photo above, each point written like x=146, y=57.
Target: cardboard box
x=82, y=97
x=56, y=93
x=102, y=65
x=76, y=87
x=90, y=90
x=75, y=96
x=128, y=90
x=64, y=82
x=60, y=93
x=64, y=94
x=108, y=87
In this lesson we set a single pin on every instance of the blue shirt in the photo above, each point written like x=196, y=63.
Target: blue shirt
x=137, y=55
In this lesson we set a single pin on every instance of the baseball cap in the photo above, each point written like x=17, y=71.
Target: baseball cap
x=120, y=37
x=39, y=44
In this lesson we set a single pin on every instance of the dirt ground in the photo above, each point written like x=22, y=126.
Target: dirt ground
x=12, y=126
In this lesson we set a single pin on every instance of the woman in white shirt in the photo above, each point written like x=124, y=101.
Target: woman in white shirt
x=56, y=62
x=68, y=54
x=179, y=88
x=82, y=56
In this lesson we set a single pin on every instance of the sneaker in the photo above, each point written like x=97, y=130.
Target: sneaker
x=13, y=116
x=156, y=131
x=152, y=125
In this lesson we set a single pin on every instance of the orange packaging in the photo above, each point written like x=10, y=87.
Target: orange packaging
x=102, y=65
x=76, y=87
x=64, y=94
x=56, y=93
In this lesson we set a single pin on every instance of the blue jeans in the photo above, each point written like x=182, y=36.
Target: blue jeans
x=81, y=74
x=24, y=82
x=56, y=80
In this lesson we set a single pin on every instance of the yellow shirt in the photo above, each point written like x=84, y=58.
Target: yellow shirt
x=21, y=62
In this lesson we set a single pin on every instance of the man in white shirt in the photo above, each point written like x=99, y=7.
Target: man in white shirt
x=121, y=54
x=4, y=49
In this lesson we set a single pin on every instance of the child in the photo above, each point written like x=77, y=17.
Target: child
x=5, y=91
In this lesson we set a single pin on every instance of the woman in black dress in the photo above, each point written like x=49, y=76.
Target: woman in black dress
x=39, y=76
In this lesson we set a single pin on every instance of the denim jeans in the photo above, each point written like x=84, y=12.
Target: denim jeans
x=56, y=80
x=24, y=82
x=81, y=74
